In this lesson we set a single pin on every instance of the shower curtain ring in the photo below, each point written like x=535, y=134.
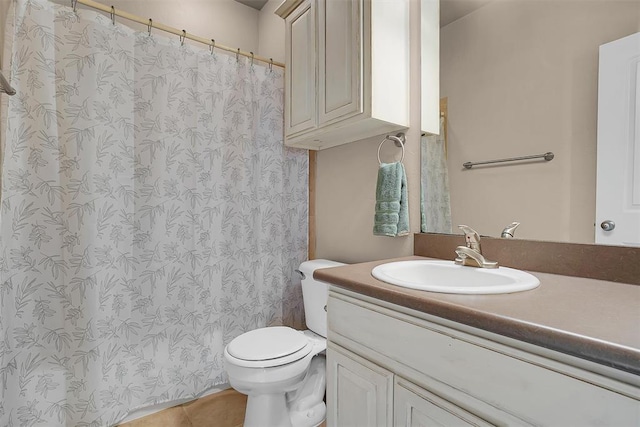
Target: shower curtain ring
x=113, y=15
x=149, y=26
x=213, y=46
x=270, y=64
x=182, y=37
x=74, y=4
x=251, y=58
x=238, y=55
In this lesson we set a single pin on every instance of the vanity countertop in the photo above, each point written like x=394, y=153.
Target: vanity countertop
x=591, y=319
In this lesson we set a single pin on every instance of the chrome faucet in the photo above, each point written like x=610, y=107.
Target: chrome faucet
x=509, y=230
x=471, y=254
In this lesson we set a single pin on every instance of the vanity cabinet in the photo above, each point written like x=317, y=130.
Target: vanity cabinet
x=347, y=70
x=406, y=368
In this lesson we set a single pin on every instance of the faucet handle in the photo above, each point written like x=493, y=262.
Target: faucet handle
x=508, y=231
x=471, y=237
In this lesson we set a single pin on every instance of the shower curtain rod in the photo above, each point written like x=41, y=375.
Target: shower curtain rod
x=182, y=33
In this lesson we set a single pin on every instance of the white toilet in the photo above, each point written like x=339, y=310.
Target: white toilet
x=280, y=369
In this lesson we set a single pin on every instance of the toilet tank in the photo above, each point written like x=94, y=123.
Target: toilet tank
x=315, y=294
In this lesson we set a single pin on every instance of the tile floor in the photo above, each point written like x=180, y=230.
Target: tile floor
x=223, y=409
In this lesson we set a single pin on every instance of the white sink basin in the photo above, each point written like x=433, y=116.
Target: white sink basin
x=447, y=277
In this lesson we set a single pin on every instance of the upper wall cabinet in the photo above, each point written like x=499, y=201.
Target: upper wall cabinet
x=347, y=75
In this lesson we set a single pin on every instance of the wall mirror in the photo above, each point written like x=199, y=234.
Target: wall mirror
x=521, y=78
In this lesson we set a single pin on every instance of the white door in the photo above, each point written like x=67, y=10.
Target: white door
x=618, y=172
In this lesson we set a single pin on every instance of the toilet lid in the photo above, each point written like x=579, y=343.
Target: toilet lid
x=267, y=343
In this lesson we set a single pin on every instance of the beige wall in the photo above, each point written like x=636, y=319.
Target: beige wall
x=271, y=32
x=521, y=78
x=228, y=22
x=346, y=184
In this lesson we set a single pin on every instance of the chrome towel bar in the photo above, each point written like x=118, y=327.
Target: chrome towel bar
x=547, y=156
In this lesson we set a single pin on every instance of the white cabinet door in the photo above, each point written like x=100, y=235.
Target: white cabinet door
x=300, y=76
x=416, y=407
x=359, y=393
x=340, y=59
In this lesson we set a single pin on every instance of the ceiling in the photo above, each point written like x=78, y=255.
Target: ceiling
x=256, y=4
x=452, y=10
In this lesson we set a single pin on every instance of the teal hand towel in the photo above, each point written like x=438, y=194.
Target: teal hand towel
x=392, y=203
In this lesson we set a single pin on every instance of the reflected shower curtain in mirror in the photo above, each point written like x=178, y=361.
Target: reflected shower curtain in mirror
x=435, y=206
x=149, y=214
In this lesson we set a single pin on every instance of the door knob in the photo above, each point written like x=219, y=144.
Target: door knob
x=608, y=225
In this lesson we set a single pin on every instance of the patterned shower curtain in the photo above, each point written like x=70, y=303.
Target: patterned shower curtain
x=149, y=215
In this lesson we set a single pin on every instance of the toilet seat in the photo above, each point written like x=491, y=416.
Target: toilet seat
x=268, y=347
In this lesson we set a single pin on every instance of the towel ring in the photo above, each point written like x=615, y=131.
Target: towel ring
x=398, y=142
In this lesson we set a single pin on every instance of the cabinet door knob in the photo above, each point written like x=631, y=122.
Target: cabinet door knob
x=608, y=225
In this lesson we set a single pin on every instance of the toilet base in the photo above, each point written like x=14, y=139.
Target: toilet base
x=267, y=410
x=302, y=407
x=306, y=404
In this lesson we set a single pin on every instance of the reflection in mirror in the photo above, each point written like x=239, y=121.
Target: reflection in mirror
x=436, y=206
x=521, y=78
